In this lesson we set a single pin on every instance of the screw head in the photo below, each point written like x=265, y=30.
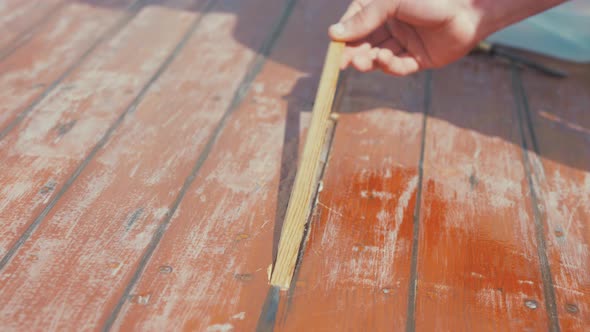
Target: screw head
x=165, y=269
x=571, y=308
x=386, y=290
x=531, y=304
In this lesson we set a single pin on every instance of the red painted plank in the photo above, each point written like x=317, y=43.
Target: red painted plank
x=42, y=152
x=210, y=269
x=560, y=116
x=17, y=17
x=27, y=72
x=355, y=270
x=92, y=241
x=478, y=268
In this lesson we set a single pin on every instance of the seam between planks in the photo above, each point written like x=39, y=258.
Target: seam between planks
x=268, y=312
x=129, y=109
x=254, y=69
x=411, y=315
x=26, y=35
x=131, y=12
x=523, y=110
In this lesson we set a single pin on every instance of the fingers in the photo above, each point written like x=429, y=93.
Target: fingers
x=370, y=44
x=351, y=51
x=389, y=56
x=401, y=64
x=365, y=62
x=361, y=19
x=357, y=53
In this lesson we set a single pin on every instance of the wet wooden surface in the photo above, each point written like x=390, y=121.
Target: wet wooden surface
x=148, y=149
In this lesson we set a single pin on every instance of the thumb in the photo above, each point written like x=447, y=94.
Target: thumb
x=363, y=22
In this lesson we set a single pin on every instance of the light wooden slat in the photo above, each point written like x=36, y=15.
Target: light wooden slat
x=478, y=267
x=355, y=269
x=305, y=186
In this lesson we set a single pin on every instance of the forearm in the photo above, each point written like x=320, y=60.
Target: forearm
x=494, y=15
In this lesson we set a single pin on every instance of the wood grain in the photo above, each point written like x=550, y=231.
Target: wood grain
x=305, y=184
x=143, y=192
x=92, y=241
x=19, y=18
x=219, y=244
x=32, y=68
x=41, y=154
x=560, y=161
x=478, y=267
x=355, y=269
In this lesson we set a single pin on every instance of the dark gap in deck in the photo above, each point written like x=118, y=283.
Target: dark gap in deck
x=523, y=114
x=267, y=318
x=411, y=319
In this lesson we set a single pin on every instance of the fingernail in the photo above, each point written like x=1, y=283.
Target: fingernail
x=337, y=29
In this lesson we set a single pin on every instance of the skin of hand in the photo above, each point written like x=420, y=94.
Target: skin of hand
x=401, y=37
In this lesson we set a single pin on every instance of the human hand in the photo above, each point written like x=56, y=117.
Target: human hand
x=401, y=37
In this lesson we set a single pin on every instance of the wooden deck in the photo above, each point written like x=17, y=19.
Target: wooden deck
x=148, y=148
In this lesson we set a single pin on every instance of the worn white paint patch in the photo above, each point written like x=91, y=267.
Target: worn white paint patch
x=161, y=212
x=407, y=125
x=382, y=195
x=24, y=189
x=373, y=249
x=11, y=11
x=404, y=200
x=565, y=194
x=501, y=188
x=480, y=182
x=490, y=297
x=88, y=97
x=60, y=107
x=87, y=196
x=368, y=265
x=258, y=87
x=239, y=316
x=15, y=191
x=498, y=301
x=76, y=27
x=45, y=260
x=91, y=222
x=230, y=172
x=225, y=199
x=391, y=236
x=227, y=327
